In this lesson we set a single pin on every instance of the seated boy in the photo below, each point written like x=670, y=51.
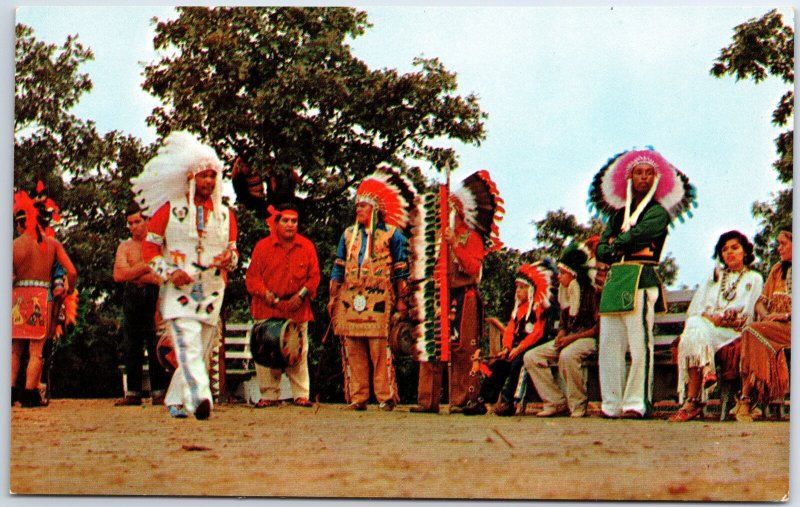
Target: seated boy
x=528, y=326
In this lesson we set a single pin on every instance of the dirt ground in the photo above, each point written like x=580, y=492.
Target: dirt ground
x=90, y=447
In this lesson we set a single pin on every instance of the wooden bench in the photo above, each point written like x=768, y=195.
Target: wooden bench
x=230, y=359
x=235, y=363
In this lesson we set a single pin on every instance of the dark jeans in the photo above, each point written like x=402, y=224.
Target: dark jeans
x=502, y=381
x=139, y=309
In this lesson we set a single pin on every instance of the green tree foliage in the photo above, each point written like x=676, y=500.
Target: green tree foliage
x=761, y=48
x=87, y=175
x=279, y=88
x=497, y=286
x=668, y=269
x=558, y=228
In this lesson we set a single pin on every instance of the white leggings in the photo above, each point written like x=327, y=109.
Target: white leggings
x=190, y=384
x=634, y=332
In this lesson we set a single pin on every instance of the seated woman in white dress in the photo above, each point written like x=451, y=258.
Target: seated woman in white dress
x=721, y=307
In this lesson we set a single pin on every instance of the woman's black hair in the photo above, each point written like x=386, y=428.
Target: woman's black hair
x=747, y=246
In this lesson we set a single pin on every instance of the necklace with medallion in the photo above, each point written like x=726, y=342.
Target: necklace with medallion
x=727, y=293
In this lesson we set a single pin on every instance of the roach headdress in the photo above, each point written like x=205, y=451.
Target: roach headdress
x=35, y=210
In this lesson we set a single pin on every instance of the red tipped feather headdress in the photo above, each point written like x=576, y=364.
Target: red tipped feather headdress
x=539, y=275
x=390, y=193
x=38, y=209
x=479, y=202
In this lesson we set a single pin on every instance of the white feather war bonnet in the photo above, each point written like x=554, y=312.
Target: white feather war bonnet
x=168, y=176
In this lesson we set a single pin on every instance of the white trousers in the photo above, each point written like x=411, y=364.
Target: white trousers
x=569, y=368
x=269, y=379
x=193, y=343
x=634, y=332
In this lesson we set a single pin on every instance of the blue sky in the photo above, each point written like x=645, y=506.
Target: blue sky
x=565, y=89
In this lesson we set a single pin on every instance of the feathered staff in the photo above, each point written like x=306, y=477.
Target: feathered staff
x=442, y=263
x=430, y=297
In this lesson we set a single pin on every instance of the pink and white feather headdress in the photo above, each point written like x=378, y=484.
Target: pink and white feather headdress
x=610, y=190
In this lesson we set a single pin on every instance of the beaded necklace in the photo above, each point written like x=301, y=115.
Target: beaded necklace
x=729, y=293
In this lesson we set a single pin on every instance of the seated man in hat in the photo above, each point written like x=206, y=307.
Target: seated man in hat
x=578, y=297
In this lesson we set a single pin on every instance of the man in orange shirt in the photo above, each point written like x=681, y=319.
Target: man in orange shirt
x=530, y=324
x=475, y=211
x=282, y=279
x=467, y=252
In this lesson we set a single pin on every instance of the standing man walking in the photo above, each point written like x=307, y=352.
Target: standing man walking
x=140, y=297
x=641, y=193
x=282, y=279
x=191, y=244
x=368, y=283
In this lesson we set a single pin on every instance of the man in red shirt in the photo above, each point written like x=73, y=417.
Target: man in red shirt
x=282, y=278
x=191, y=244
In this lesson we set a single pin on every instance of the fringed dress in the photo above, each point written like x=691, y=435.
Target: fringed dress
x=762, y=358
x=701, y=339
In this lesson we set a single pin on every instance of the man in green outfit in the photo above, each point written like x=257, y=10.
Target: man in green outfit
x=640, y=193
